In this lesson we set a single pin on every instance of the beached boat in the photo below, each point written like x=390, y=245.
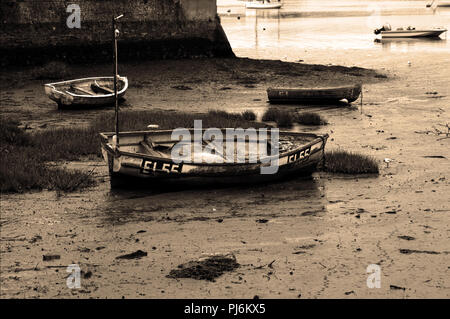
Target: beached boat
x=146, y=156
x=95, y=91
x=408, y=32
x=314, y=95
x=263, y=4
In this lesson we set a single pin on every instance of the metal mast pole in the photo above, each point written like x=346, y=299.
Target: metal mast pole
x=115, y=35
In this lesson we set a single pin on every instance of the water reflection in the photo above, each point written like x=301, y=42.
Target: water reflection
x=308, y=29
x=407, y=44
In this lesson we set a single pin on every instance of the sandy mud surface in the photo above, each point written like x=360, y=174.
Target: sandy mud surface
x=303, y=238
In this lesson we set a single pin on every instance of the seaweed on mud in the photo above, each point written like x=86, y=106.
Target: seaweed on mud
x=205, y=269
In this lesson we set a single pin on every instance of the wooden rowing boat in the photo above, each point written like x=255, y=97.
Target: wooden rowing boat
x=314, y=95
x=146, y=156
x=95, y=91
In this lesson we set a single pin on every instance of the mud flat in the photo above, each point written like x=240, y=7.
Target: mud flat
x=304, y=238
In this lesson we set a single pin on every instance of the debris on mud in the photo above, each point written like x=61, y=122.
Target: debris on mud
x=137, y=254
x=181, y=87
x=405, y=237
x=413, y=251
x=50, y=257
x=394, y=287
x=205, y=268
x=262, y=221
x=35, y=239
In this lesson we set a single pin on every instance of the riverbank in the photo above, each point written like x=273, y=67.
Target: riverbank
x=318, y=235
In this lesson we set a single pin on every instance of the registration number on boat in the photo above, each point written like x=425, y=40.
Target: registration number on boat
x=157, y=166
x=300, y=155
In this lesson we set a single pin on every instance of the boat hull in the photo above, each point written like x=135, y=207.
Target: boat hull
x=254, y=5
x=132, y=168
x=314, y=95
x=58, y=92
x=412, y=33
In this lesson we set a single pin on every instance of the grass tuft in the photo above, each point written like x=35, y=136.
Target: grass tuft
x=344, y=162
x=10, y=133
x=249, y=115
x=52, y=70
x=283, y=118
x=310, y=118
x=24, y=162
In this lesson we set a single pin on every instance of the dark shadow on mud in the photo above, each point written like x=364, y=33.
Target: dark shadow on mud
x=136, y=187
x=328, y=104
x=84, y=108
x=212, y=203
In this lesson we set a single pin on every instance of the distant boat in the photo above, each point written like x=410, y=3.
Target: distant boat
x=409, y=32
x=144, y=158
x=420, y=33
x=95, y=91
x=314, y=95
x=263, y=4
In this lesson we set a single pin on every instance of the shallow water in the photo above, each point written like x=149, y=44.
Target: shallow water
x=333, y=32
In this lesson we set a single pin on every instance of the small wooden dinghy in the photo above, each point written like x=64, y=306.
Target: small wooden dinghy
x=146, y=156
x=95, y=91
x=314, y=95
x=263, y=4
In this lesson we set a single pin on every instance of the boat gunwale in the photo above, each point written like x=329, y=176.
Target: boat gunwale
x=122, y=78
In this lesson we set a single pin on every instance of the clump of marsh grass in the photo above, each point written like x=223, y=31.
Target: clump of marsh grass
x=339, y=161
x=51, y=70
x=10, y=133
x=283, y=118
x=67, y=143
x=138, y=120
x=249, y=115
x=24, y=163
x=310, y=118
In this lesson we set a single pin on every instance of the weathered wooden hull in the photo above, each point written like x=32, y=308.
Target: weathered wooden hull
x=314, y=95
x=59, y=93
x=135, y=167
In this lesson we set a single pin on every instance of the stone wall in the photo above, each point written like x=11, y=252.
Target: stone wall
x=35, y=31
